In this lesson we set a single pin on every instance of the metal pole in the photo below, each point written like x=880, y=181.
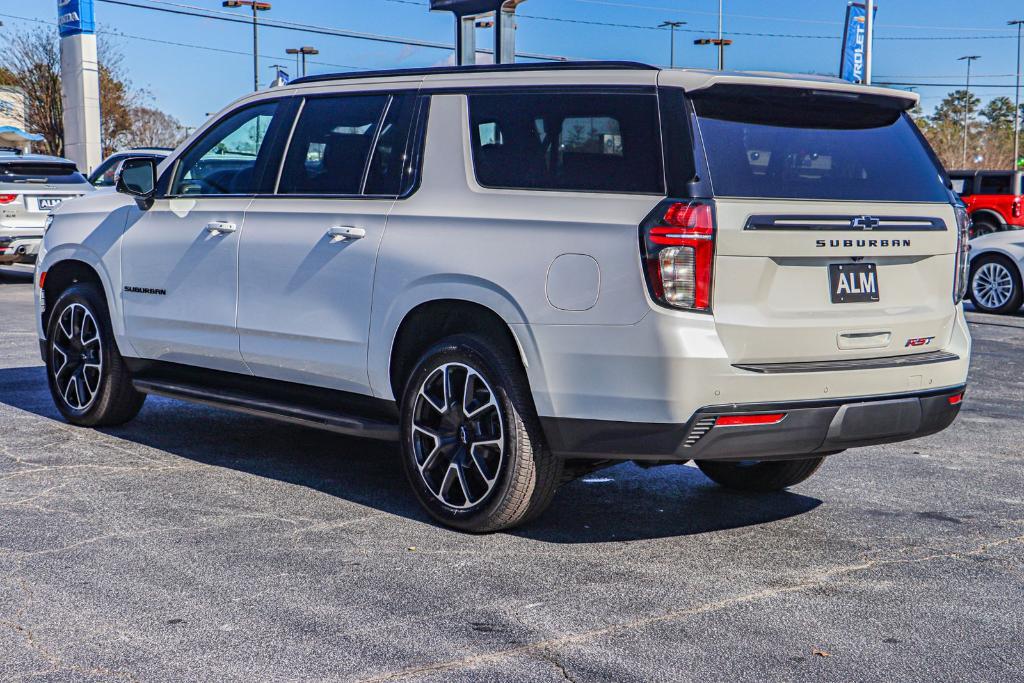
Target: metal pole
x=967, y=103
x=672, y=50
x=1016, y=101
x=255, y=51
x=303, y=64
x=869, y=38
x=721, y=45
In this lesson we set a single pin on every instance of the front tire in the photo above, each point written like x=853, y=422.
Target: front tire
x=471, y=443
x=759, y=475
x=87, y=376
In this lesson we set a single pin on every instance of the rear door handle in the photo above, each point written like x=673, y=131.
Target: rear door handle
x=220, y=227
x=340, y=233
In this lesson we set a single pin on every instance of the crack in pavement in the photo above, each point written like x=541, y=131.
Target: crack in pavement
x=546, y=646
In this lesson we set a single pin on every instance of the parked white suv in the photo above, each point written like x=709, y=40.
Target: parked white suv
x=522, y=272
x=31, y=186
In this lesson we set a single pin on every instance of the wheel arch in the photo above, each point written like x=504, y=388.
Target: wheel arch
x=430, y=321
x=64, y=268
x=995, y=216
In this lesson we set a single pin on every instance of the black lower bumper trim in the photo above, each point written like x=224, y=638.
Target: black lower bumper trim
x=809, y=428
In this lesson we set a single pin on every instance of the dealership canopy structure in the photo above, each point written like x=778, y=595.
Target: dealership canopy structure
x=467, y=12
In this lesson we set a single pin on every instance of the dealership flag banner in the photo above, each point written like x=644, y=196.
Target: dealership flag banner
x=851, y=61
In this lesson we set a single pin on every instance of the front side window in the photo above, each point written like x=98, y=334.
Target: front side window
x=226, y=160
x=589, y=142
x=331, y=144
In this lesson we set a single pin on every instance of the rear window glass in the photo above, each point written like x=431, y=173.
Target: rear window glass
x=597, y=142
x=806, y=145
x=961, y=185
x=1001, y=183
x=50, y=173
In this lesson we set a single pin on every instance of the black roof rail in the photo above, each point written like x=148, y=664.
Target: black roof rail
x=483, y=68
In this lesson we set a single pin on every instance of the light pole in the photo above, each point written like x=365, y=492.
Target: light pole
x=256, y=6
x=672, y=26
x=1016, y=99
x=302, y=51
x=967, y=102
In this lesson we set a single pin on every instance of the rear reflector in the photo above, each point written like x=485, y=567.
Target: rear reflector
x=739, y=420
x=955, y=399
x=42, y=279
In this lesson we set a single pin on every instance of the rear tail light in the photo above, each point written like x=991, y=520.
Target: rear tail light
x=1015, y=208
x=678, y=248
x=7, y=198
x=963, y=264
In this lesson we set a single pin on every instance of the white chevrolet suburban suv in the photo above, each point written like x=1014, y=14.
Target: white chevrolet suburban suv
x=522, y=272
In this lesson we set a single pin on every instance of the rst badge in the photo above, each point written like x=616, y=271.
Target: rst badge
x=918, y=341
x=853, y=282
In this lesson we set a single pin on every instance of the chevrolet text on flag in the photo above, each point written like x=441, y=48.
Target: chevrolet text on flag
x=851, y=60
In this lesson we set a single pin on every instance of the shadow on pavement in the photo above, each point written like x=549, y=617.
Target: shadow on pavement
x=16, y=275
x=620, y=503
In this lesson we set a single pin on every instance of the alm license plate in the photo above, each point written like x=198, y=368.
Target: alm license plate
x=853, y=282
x=47, y=203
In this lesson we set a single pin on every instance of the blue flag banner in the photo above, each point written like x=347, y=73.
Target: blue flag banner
x=851, y=61
x=75, y=17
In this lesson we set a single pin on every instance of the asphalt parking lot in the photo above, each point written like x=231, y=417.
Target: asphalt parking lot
x=197, y=544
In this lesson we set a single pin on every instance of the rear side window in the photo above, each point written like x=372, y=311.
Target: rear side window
x=387, y=165
x=587, y=142
x=43, y=172
x=331, y=145
x=996, y=183
x=799, y=144
x=963, y=186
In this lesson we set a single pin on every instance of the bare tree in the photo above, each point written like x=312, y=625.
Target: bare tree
x=151, y=128
x=31, y=60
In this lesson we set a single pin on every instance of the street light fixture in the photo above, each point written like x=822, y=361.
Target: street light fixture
x=257, y=6
x=302, y=51
x=721, y=43
x=967, y=101
x=672, y=26
x=1016, y=99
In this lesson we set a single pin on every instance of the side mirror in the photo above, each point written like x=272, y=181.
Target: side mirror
x=136, y=176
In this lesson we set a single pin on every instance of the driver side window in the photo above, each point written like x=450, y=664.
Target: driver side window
x=225, y=161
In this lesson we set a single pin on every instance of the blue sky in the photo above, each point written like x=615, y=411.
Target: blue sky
x=190, y=81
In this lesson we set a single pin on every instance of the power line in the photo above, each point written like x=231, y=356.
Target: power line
x=191, y=10
x=148, y=39
x=752, y=34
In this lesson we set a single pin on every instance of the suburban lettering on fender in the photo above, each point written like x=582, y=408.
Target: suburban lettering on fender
x=862, y=243
x=145, y=290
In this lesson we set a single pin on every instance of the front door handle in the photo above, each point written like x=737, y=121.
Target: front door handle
x=220, y=227
x=340, y=233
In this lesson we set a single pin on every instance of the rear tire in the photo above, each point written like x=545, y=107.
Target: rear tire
x=472, y=447
x=995, y=285
x=983, y=226
x=88, y=380
x=759, y=476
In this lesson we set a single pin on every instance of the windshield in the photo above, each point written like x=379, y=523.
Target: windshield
x=763, y=142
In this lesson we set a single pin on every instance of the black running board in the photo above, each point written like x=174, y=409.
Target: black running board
x=274, y=410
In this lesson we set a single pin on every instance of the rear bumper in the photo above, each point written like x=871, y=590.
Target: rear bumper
x=19, y=249
x=808, y=428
